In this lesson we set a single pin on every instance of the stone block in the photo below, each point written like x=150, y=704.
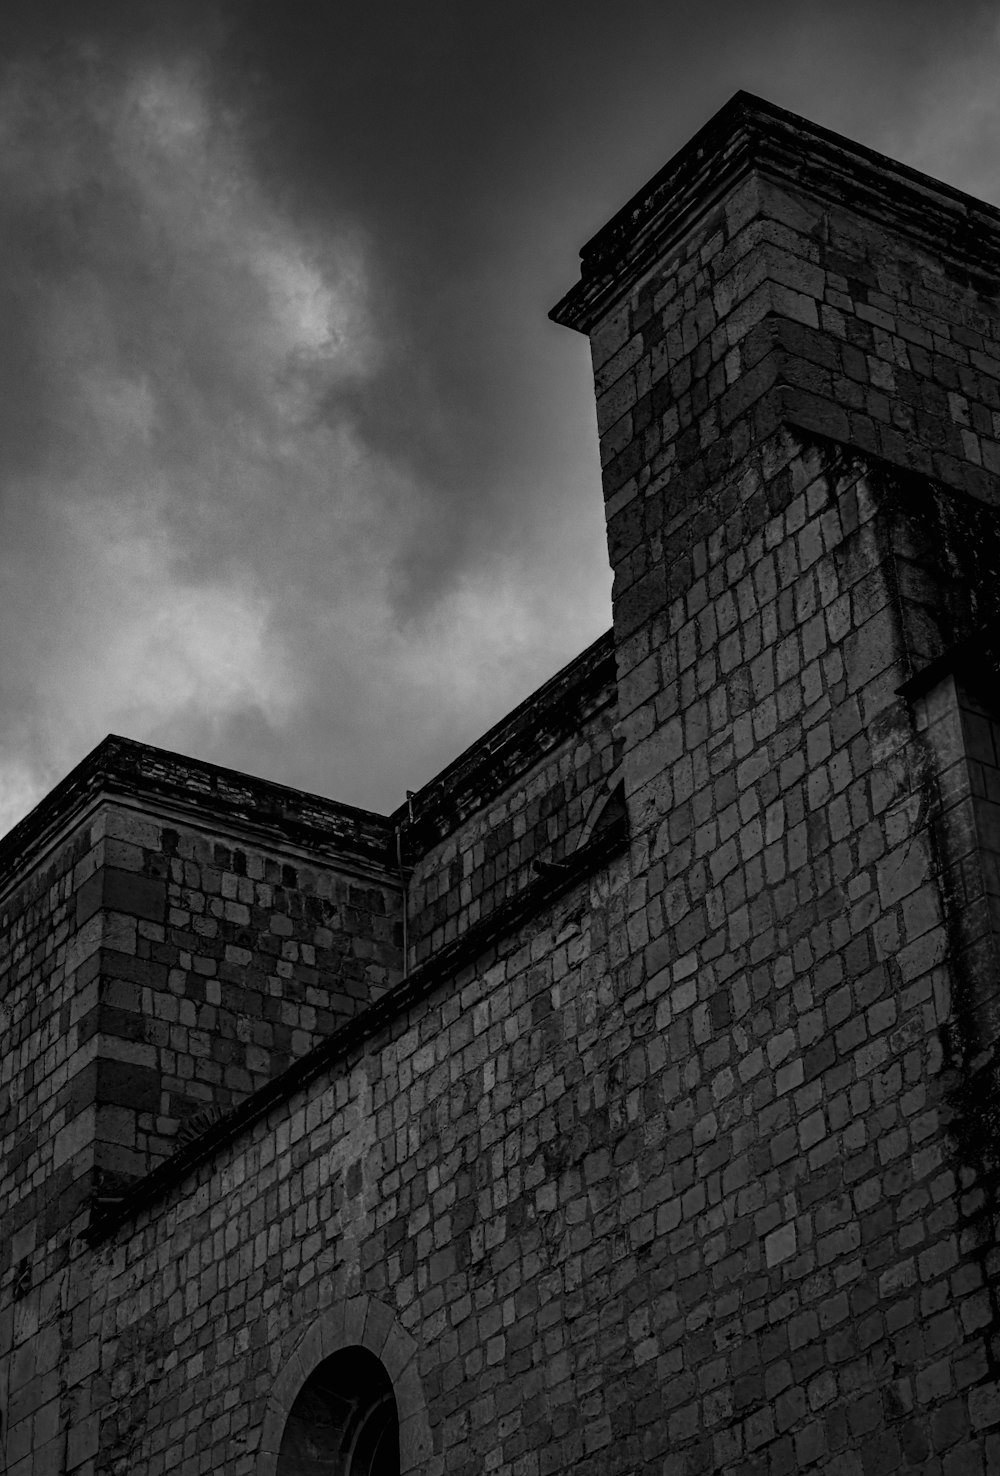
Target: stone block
x=128, y=1084
x=134, y=895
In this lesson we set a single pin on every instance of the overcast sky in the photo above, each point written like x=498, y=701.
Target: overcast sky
x=295, y=475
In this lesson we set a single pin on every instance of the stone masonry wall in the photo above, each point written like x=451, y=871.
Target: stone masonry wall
x=694, y=1171
x=222, y=961
x=45, y=969
x=150, y=970
x=662, y=1183
x=799, y=299
x=787, y=801
x=777, y=777
x=981, y=733
x=522, y=794
x=960, y=732
x=446, y=1170
x=492, y=855
x=946, y=553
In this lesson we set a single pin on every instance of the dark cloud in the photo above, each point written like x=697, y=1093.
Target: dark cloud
x=294, y=473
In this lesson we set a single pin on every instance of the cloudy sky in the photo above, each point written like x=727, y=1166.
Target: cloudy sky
x=295, y=475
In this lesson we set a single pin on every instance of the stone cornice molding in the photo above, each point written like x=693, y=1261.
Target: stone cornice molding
x=749, y=135
x=270, y=814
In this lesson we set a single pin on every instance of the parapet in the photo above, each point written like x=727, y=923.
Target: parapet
x=137, y=773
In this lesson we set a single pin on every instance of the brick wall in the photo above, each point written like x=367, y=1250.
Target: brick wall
x=222, y=961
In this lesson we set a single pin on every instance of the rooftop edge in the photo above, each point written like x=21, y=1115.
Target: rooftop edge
x=524, y=735
x=748, y=134
x=277, y=813
x=122, y=768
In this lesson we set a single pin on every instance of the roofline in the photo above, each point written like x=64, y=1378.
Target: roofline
x=515, y=744
x=278, y=815
x=749, y=135
x=121, y=768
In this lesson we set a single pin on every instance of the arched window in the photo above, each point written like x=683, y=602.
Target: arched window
x=343, y=1421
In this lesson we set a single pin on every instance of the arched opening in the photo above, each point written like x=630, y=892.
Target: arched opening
x=343, y=1421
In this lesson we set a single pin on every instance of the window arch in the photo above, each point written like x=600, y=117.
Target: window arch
x=361, y=1327
x=344, y=1420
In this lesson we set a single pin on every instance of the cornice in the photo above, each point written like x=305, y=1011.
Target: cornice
x=203, y=795
x=179, y=787
x=749, y=135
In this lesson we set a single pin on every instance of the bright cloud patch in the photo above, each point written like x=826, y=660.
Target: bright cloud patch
x=202, y=543
x=152, y=645
x=177, y=332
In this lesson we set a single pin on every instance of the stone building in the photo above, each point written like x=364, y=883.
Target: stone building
x=626, y=1101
